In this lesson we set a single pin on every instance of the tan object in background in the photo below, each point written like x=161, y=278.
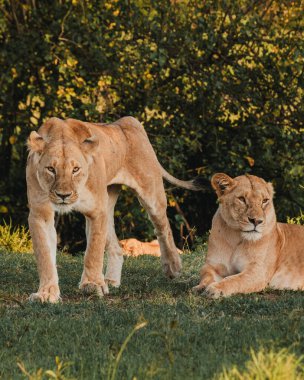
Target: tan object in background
x=134, y=247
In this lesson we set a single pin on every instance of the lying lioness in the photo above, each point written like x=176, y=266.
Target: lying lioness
x=134, y=247
x=248, y=250
x=80, y=166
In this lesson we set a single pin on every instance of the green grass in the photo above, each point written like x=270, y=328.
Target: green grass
x=186, y=336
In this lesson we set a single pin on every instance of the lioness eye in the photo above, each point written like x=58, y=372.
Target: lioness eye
x=242, y=199
x=265, y=200
x=50, y=169
x=76, y=169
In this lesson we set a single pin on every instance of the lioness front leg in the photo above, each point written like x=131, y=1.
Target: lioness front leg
x=210, y=274
x=92, y=279
x=43, y=233
x=249, y=281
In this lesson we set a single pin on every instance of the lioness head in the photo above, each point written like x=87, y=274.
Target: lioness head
x=62, y=150
x=245, y=203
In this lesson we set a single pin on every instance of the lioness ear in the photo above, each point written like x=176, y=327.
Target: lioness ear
x=90, y=144
x=35, y=142
x=221, y=182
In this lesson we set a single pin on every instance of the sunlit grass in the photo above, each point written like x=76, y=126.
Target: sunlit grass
x=268, y=365
x=58, y=373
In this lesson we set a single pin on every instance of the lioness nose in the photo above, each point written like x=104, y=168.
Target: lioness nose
x=255, y=222
x=63, y=196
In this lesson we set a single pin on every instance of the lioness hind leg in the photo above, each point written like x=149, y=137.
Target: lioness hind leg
x=155, y=203
x=113, y=248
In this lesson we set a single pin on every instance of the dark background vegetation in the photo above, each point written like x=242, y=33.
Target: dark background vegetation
x=218, y=86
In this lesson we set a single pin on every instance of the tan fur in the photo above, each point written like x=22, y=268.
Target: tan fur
x=80, y=166
x=134, y=247
x=248, y=250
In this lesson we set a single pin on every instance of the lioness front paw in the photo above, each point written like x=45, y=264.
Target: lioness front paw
x=114, y=283
x=50, y=293
x=214, y=291
x=201, y=286
x=89, y=287
x=198, y=288
x=172, y=268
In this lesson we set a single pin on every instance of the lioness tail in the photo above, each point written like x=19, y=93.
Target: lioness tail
x=196, y=184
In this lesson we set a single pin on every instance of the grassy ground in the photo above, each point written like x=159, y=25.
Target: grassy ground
x=186, y=336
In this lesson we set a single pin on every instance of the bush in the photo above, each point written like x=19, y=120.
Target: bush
x=296, y=220
x=217, y=84
x=15, y=239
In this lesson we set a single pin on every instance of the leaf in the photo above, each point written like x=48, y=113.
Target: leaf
x=250, y=160
x=33, y=120
x=12, y=139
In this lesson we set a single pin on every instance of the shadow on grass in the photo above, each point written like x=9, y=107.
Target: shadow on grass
x=141, y=277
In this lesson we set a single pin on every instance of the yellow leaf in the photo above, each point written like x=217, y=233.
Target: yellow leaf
x=3, y=209
x=33, y=120
x=21, y=106
x=172, y=203
x=234, y=117
x=71, y=62
x=250, y=160
x=12, y=140
x=36, y=113
x=14, y=72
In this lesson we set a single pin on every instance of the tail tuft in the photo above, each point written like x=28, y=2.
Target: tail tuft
x=197, y=184
x=201, y=183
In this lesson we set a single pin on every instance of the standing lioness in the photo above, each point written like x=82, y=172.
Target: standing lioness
x=79, y=166
x=248, y=250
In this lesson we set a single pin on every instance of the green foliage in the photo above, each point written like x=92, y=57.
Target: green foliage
x=217, y=84
x=187, y=335
x=272, y=365
x=296, y=220
x=15, y=239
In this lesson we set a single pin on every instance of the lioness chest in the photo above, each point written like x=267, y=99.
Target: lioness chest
x=240, y=259
x=236, y=259
x=233, y=260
